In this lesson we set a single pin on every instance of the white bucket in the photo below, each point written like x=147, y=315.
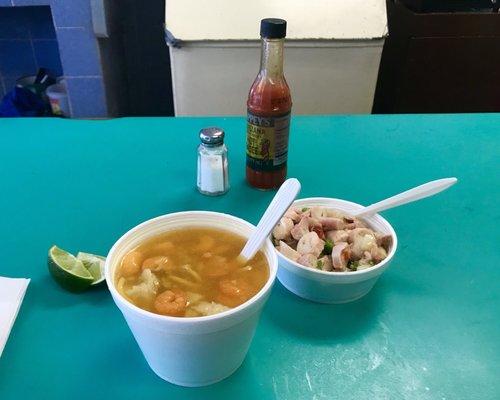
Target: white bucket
x=191, y=351
x=58, y=98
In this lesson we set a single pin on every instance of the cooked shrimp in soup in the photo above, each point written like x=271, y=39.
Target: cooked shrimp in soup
x=190, y=272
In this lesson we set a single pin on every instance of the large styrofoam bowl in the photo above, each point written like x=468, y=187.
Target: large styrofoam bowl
x=334, y=287
x=191, y=351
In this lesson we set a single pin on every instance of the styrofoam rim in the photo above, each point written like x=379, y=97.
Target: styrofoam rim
x=273, y=268
x=330, y=202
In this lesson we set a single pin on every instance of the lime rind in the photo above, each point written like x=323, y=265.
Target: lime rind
x=75, y=274
x=69, y=263
x=68, y=271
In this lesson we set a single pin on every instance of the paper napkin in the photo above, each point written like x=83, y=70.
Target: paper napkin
x=11, y=296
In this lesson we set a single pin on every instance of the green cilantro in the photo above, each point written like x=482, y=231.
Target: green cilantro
x=319, y=264
x=328, y=246
x=305, y=209
x=353, y=265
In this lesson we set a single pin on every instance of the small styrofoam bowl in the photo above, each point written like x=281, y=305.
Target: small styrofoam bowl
x=191, y=351
x=334, y=287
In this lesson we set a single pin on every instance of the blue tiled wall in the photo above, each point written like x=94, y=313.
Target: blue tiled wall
x=72, y=38
x=80, y=57
x=27, y=42
x=91, y=101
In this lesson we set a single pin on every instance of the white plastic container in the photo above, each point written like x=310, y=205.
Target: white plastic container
x=58, y=98
x=191, y=351
x=334, y=287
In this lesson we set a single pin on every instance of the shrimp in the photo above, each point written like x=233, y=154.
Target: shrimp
x=233, y=292
x=171, y=302
x=340, y=256
x=131, y=264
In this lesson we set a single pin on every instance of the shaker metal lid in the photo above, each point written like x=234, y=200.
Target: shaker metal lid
x=212, y=136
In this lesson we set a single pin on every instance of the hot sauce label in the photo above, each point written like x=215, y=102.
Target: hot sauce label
x=267, y=141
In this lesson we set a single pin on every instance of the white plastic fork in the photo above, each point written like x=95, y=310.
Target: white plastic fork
x=417, y=193
x=278, y=206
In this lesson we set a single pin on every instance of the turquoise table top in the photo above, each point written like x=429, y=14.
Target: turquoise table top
x=430, y=328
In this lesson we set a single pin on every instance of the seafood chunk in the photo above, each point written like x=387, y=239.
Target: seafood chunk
x=337, y=236
x=378, y=253
x=146, y=288
x=330, y=223
x=329, y=240
x=293, y=215
x=308, y=260
x=171, y=302
x=310, y=243
x=383, y=240
x=362, y=240
x=233, y=292
x=318, y=212
x=301, y=228
x=353, y=223
x=315, y=226
x=288, y=252
x=131, y=264
x=340, y=256
x=283, y=228
x=354, y=233
x=324, y=263
x=303, y=212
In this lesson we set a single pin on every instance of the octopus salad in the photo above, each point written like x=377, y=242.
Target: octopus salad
x=329, y=240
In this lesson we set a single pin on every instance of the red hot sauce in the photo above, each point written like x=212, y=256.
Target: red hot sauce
x=268, y=112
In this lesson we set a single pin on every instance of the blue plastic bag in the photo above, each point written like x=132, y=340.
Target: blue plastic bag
x=21, y=102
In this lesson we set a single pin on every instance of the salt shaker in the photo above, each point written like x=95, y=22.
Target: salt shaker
x=213, y=177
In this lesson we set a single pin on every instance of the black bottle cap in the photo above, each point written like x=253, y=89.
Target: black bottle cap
x=273, y=28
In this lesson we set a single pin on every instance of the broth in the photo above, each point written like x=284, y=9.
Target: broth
x=190, y=272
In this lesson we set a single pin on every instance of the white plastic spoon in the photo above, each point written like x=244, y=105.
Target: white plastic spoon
x=417, y=193
x=278, y=206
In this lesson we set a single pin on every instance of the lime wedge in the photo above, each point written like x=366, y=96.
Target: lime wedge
x=68, y=271
x=94, y=264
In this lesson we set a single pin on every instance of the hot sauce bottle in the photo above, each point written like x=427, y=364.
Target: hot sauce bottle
x=268, y=112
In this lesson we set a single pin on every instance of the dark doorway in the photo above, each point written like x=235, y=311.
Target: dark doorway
x=136, y=59
x=436, y=60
